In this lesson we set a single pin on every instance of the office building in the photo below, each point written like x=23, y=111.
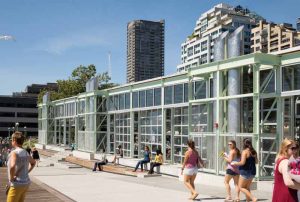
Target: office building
x=19, y=110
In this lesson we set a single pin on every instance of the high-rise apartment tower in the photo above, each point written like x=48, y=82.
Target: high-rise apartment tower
x=145, y=50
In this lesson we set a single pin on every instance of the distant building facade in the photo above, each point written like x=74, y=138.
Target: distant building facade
x=298, y=25
x=19, y=110
x=270, y=37
x=198, y=47
x=145, y=50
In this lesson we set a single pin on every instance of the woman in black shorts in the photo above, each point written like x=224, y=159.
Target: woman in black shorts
x=35, y=156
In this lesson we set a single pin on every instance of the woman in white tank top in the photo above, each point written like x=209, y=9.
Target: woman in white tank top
x=18, y=169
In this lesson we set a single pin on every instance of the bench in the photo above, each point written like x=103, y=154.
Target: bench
x=157, y=168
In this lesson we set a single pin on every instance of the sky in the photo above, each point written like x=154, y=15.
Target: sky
x=53, y=37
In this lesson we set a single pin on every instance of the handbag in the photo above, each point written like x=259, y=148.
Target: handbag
x=7, y=187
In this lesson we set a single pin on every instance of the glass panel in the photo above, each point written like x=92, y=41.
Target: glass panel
x=122, y=101
x=142, y=99
x=157, y=96
x=135, y=99
x=149, y=97
x=127, y=100
x=186, y=92
x=116, y=102
x=267, y=81
x=168, y=95
x=200, y=89
x=178, y=93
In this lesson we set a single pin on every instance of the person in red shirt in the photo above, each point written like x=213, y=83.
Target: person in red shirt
x=285, y=189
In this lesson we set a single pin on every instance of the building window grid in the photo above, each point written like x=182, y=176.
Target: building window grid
x=180, y=133
x=122, y=127
x=151, y=130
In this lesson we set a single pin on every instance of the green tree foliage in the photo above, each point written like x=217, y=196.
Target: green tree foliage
x=76, y=83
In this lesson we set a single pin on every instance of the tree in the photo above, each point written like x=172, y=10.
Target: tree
x=76, y=83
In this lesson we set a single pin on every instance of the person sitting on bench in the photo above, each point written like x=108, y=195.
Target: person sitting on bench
x=119, y=154
x=158, y=161
x=147, y=156
x=100, y=163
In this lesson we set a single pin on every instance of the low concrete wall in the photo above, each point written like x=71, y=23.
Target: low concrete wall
x=55, y=148
x=39, y=146
x=83, y=155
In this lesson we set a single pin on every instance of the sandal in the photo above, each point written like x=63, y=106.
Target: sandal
x=194, y=196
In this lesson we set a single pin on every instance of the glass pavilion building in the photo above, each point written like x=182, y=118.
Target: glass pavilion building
x=165, y=112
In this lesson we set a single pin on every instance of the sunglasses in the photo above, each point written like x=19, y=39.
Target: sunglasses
x=294, y=148
x=229, y=144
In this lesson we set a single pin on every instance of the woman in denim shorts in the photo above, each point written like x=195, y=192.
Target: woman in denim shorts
x=247, y=168
x=232, y=172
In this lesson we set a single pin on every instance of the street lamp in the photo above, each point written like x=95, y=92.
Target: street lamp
x=17, y=126
x=25, y=132
x=8, y=132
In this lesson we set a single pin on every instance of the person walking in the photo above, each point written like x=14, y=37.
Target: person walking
x=285, y=189
x=247, y=168
x=19, y=165
x=158, y=161
x=190, y=165
x=232, y=172
x=35, y=156
x=147, y=156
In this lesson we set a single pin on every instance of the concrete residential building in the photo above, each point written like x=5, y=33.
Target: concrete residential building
x=198, y=47
x=298, y=25
x=19, y=111
x=270, y=37
x=145, y=50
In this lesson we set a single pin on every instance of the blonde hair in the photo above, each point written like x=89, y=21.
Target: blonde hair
x=18, y=137
x=283, y=151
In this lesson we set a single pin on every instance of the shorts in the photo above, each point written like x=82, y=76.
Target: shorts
x=247, y=176
x=190, y=171
x=231, y=172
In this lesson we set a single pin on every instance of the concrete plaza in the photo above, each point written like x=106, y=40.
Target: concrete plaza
x=81, y=184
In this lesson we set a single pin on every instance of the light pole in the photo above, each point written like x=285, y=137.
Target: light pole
x=25, y=132
x=8, y=132
x=17, y=126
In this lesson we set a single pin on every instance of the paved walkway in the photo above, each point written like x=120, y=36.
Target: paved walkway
x=83, y=185
x=38, y=192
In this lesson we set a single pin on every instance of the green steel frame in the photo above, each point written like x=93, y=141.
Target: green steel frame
x=99, y=113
